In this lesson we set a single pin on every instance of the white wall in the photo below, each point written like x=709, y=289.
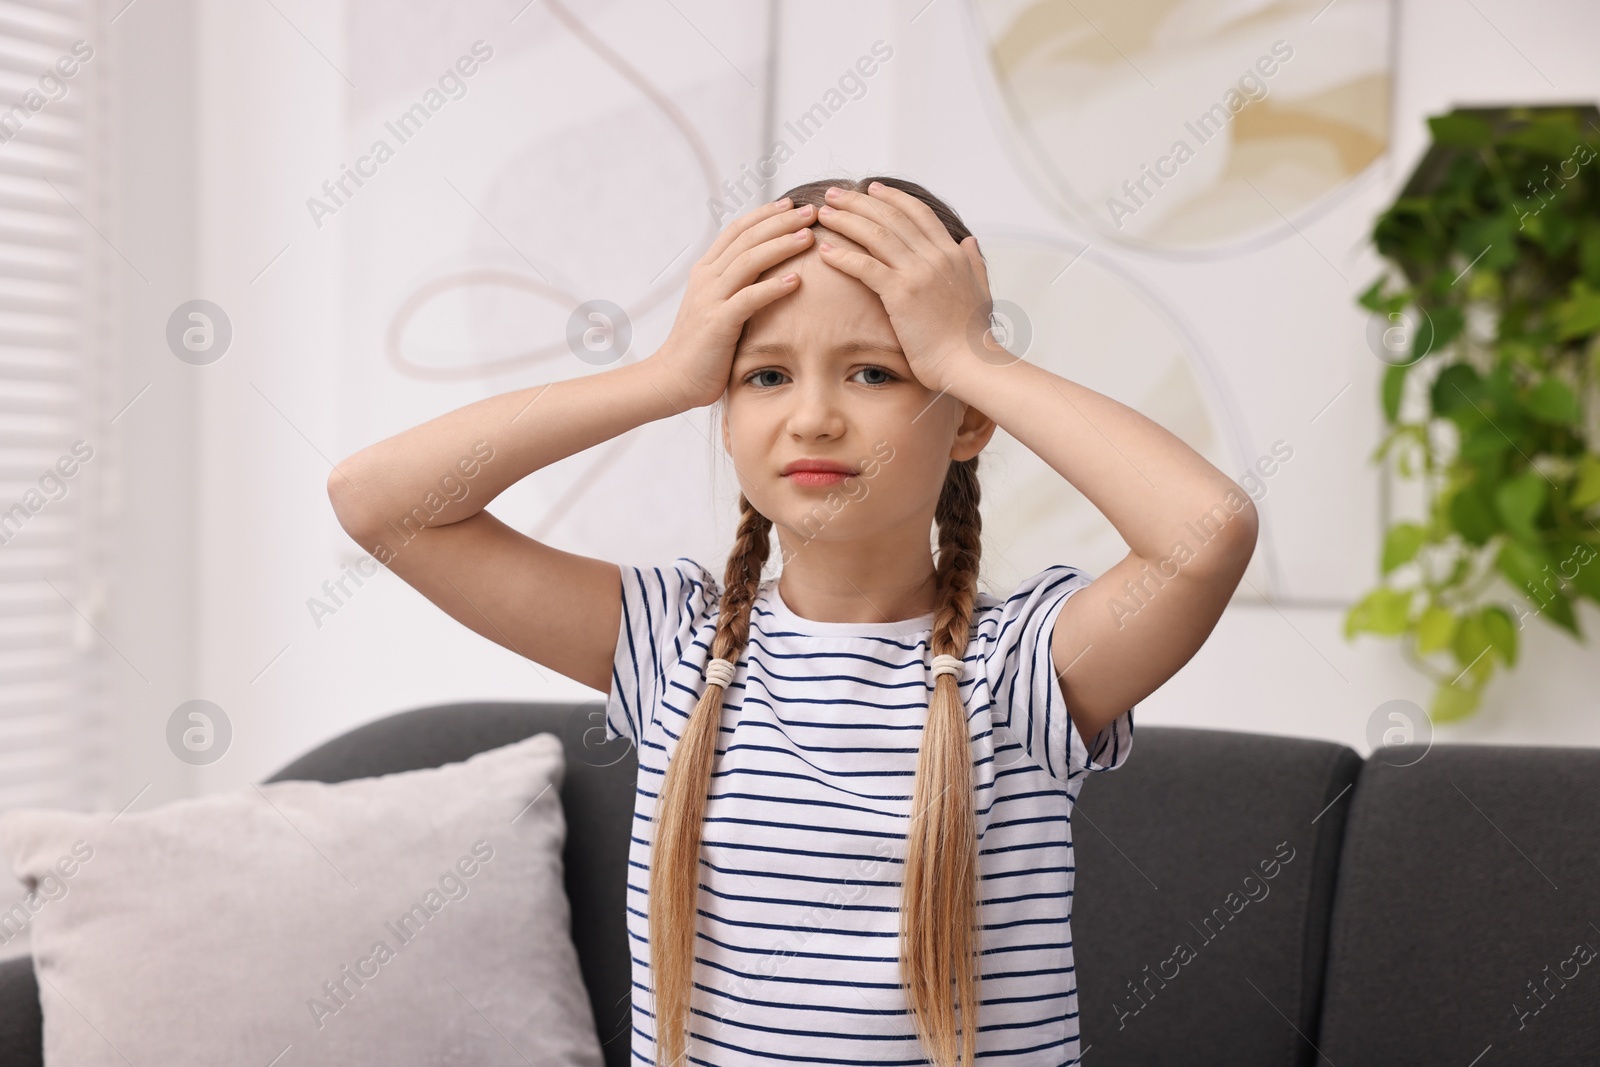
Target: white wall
x=154, y=607
x=270, y=118
x=267, y=111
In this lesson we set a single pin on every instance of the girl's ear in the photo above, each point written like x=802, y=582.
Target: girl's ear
x=973, y=434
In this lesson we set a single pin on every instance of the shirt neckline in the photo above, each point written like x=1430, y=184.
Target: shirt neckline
x=773, y=603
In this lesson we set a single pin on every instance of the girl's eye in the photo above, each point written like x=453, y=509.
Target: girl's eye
x=764, y=370
x=888, y=376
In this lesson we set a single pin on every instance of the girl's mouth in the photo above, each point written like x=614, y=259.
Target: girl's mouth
x=817, y=478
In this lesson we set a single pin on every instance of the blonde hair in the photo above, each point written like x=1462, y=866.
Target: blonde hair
x=939, y=937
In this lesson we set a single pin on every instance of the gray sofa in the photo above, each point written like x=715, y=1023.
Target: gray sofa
x=1242, y=899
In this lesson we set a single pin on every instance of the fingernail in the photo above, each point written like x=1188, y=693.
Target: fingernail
x=805, y=210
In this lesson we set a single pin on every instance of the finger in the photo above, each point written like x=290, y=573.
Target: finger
x=881, y=230
x=752, y=298
x=732, y=230
x=747, y=265
x=781, y=227
x=868, y=270
x=867, y=220
x=920, y=214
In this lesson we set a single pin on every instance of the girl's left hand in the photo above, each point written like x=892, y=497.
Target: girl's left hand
x=935, y=291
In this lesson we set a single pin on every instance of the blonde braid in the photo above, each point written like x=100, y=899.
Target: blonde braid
x=680, y=811
x=939, y=936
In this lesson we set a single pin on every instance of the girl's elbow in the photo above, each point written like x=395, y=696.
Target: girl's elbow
x=351, y=506
x=1241, y=544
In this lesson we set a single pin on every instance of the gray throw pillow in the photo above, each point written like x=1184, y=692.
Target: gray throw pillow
x=416, y=918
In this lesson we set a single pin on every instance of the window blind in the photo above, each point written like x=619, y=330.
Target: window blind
x=54, y=415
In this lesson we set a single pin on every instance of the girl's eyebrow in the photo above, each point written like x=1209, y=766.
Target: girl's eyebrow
x=783, y=348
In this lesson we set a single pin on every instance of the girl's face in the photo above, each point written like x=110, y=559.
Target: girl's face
x=819, y=374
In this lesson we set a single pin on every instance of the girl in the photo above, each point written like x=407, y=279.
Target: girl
x=856, y=778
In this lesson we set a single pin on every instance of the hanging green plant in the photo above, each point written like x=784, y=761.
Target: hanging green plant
x=1491, y=395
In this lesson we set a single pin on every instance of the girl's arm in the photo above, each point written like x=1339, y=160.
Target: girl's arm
x=416, y=500
x=1190, y=529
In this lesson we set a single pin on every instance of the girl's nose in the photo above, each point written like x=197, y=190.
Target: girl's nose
x=816, y=410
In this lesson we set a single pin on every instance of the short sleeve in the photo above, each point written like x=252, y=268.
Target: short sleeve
x=661, y=609
x=1024, y=685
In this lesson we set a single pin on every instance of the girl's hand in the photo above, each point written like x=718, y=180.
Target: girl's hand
x=723, y=293
x=935, y=291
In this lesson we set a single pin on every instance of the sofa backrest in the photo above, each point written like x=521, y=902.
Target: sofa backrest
x=1466, y=922
x=1205, y=870
x=1239, y=898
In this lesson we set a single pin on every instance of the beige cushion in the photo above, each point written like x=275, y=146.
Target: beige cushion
x=414, y=918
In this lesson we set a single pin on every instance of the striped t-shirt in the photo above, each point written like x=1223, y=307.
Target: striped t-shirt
x=797, y=945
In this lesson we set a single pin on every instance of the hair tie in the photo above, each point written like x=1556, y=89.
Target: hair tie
x=719, y=672
x=943, y=664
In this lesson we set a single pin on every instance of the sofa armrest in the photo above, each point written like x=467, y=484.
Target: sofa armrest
x=21, y=1025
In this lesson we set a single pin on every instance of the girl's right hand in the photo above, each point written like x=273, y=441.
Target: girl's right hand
x=723, y=293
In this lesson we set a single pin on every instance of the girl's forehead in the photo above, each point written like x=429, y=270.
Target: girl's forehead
x=826, y=302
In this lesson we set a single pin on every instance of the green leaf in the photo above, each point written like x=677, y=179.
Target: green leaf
x=1502, y=633
x=1470, y=642
x=1558, y=231
x=1519, y=500
x=1580, y=564
x=1553, y=401
x=1400, y=545
x=1530, y=572
x=1460, y=131
x=1448, y=323
x=1373, y=299
x=1485, y=286
x=1559, y=611
x=1482, y=443
x=1383, y=611
x=1587, y=489
x=1579, y=314
x=1394, y=380
x=1589, y=252
x=1472, y=514
x=1488, y=242
x=1454, y=702
x=1520, y=350
x=1501, y=387
x=1550, y=134
x=1457, y=387
x=1388, y=441
x=1435, y=630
